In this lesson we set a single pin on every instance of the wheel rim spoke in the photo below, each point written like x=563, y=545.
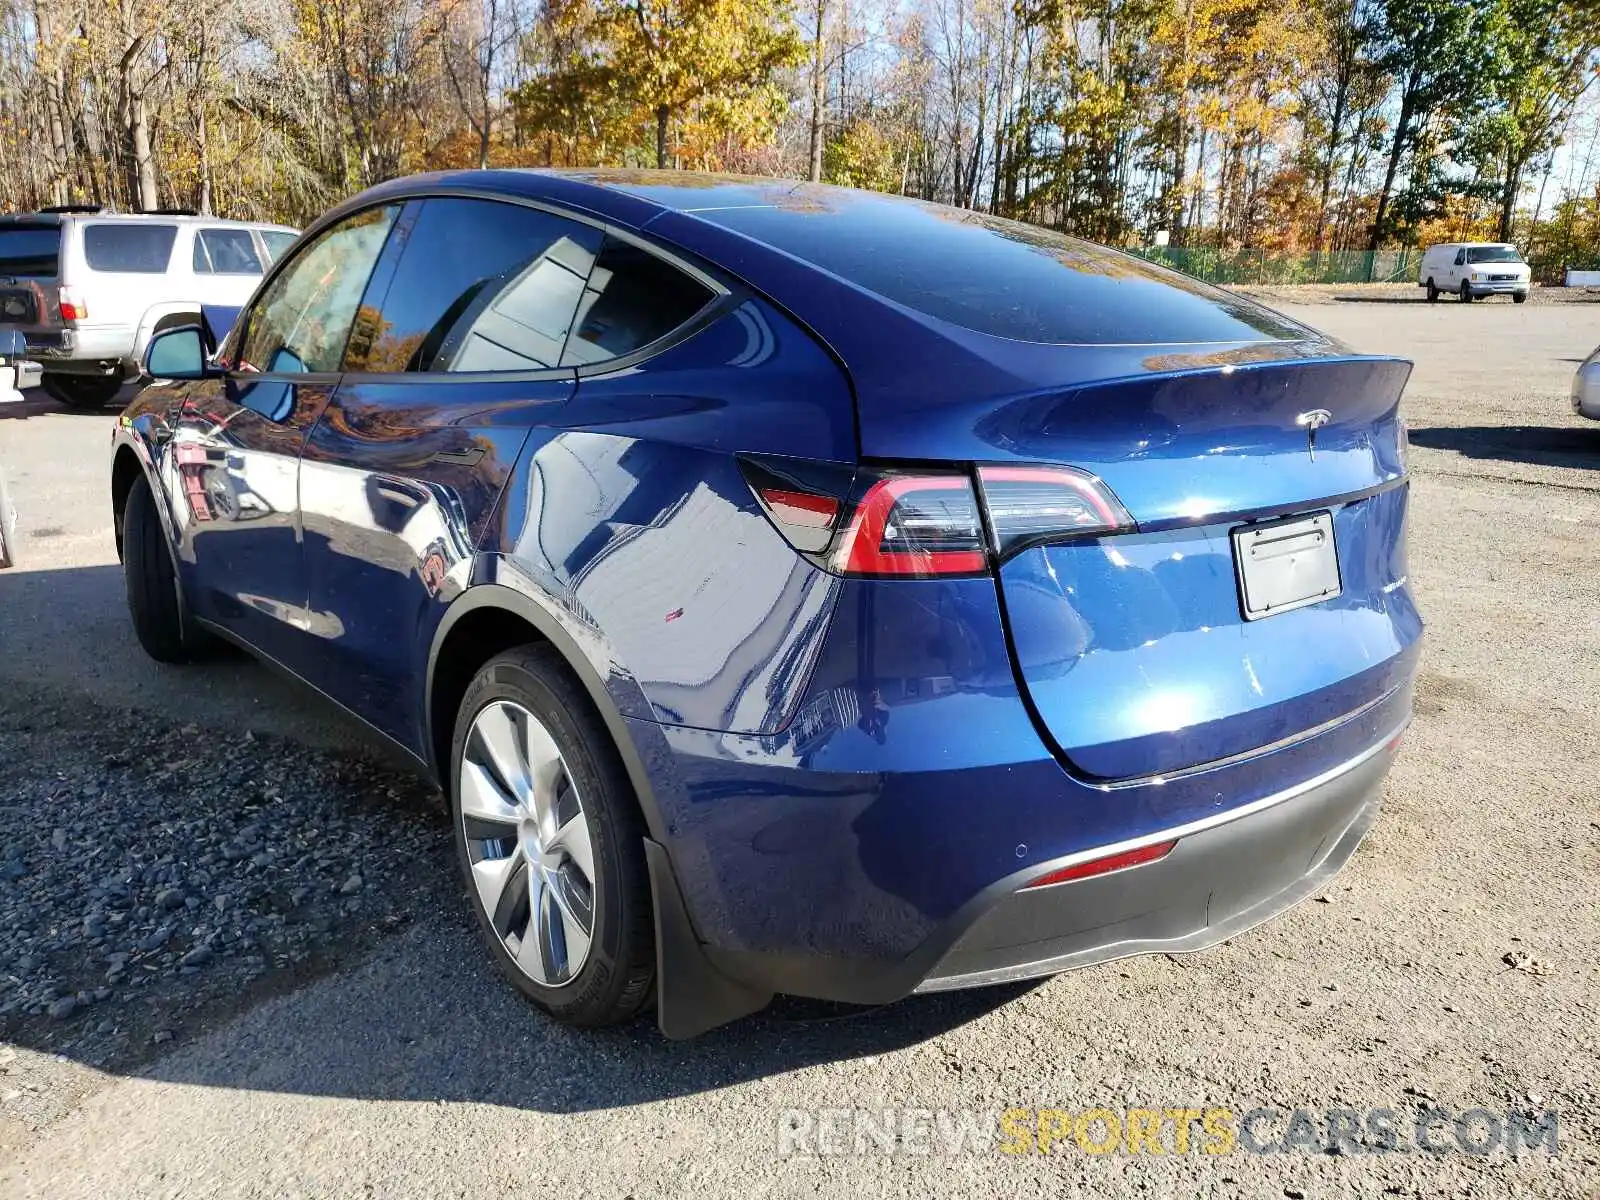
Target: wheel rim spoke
x=492, y=878
x=573, y=839
x=483, y=798
x=576, y=913
x=498, y=733
x=545, y=773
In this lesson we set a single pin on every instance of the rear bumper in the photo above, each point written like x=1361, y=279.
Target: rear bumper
x=89, y=350
x=1224, y=876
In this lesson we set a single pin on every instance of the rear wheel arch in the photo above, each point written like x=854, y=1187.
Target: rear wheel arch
x=161, y=317
x=485, y=621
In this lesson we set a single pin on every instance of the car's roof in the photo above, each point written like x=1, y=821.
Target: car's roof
x=916, y=300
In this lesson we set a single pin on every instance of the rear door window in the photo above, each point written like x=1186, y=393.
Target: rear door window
x=225, y=252
x=30, y=250
x=480, y=286
x=632, y=299
x=129, y=249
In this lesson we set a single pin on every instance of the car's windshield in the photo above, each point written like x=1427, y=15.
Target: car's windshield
x=32, y=250
x=1493, y=254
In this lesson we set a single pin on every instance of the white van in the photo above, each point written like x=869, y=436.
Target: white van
x=1474, y=269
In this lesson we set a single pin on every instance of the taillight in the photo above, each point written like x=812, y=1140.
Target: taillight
x=912, y=523
x=1031, y=504
x=72, y=308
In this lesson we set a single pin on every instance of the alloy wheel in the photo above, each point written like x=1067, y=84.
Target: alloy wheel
x=528, y=842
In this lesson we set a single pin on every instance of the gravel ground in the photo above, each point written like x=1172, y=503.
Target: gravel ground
x=157, y=879
x=1454, y=964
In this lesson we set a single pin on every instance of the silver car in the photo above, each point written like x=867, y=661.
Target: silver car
x=88, y=288
x=1586, y=388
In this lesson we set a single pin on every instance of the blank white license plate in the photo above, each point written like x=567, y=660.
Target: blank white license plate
x=1285, y=564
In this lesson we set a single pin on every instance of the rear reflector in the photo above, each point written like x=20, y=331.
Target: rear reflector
x=1106, y=865
x=806, y=520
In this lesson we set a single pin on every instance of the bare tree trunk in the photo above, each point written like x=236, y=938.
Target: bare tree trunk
x=819, y=88
x=663, y=116
x=1401, y=132
x=49, y=60
x=203, y=151
x=144, y=162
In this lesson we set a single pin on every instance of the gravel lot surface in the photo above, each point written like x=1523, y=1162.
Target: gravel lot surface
x=357, y=1043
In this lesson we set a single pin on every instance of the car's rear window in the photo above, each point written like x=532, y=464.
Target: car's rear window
x=997, y=276
x=31, y=250
x=129, y=249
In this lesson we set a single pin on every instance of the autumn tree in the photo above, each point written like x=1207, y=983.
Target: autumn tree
x=720, y=55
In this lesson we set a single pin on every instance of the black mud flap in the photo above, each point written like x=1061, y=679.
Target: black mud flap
x=692, y=996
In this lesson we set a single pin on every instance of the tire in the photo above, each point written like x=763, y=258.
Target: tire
x=1433, y=292
x=526, y=704
x=1519, y=297
x=1466, y=293
x=82, y=392
x=152, y=583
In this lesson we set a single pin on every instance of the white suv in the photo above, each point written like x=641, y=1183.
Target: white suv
x=88, y=288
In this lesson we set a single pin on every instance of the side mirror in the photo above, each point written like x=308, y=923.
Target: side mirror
x=177, y=354
x=12, y=345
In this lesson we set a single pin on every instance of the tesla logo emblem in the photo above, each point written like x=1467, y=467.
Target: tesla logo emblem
x=1311, y=422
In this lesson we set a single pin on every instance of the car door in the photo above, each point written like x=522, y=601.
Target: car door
x=455, y=356
x=1458, y=268
x=237, y=439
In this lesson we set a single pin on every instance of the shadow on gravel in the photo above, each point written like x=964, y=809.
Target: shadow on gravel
x=188, y=899
x=1545, y=445
x=33, y=406
x=1357, y=299
x=426, y=1018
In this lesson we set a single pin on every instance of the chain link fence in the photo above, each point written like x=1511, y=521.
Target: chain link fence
x=1262, y=267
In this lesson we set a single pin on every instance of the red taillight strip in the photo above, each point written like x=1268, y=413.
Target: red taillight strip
x=1104, y=866
x=860, y=549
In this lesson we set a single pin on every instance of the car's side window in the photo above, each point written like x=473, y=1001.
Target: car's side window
x=276, y=242
x=480, y=285
x=128, y=248
x=632, y=298
x=225, y=252
x=302, y=320
x=1461, y=258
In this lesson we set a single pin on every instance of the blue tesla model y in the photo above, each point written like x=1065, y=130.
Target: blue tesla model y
x=795, y=589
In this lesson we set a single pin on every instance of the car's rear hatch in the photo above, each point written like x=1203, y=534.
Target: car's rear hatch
x=1135, y=648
